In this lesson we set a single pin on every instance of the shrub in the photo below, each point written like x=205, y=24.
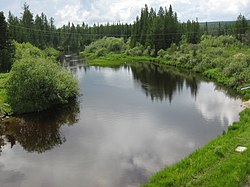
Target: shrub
x=52, y=53
x=146, y=52
x=161, y=53
x=101, y=52
x=116, y=45
x=35, y=84
x=136, y=51
x=24, y=50
x=112, y=44
x=234, y=68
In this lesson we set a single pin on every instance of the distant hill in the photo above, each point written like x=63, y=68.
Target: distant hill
x=219, y=26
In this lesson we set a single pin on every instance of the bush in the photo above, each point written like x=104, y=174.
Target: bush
x=35, y=84
x=112, y=44
x=136, y=51
x=27, y=49
x=234, y=68
x=52, y=53
x=101, y=52
x=161, y=53
x=116, y=45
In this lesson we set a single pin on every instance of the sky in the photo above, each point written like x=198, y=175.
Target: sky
x=125, y=11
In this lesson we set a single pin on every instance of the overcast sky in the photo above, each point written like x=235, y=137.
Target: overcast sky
x=103, y=11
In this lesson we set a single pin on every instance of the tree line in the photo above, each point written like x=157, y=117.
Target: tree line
x=42, y=32
x=153, y=29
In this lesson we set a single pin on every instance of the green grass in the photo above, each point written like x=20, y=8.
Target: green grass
x=114, y=60
x=216, y=164
x=4, y=107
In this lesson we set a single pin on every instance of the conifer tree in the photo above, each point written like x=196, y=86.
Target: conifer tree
x=240, y=27
x=6, y=47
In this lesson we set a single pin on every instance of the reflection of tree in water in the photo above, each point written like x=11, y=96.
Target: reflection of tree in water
x=40, y=132
x=161, y=82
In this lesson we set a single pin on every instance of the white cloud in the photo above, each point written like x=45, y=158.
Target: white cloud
x=103, y=11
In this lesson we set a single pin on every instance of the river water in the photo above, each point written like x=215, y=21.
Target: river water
x=128, y=123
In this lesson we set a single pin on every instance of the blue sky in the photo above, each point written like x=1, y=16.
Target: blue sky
x=103, y=11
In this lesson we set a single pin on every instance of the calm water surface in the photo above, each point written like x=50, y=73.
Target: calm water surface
x=129, y=123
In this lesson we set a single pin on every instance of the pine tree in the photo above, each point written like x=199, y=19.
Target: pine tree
x=241, y=27
x=27, y=25
x=6, y=47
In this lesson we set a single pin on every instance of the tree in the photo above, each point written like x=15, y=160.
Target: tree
x=6, y=47
x=27, y=25
x=192, y=31
x=241, y=27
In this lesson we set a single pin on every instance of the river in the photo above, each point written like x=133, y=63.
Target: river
x=128, y=123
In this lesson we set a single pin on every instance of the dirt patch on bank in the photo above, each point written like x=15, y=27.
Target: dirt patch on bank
x=246, y=104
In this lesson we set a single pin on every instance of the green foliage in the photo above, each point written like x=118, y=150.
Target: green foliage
x=52, y=53
x=135, y=51
x=156, y=29
x=101, y=52
x=6, y=47
x=4, y=106
x=222, y=58
x=161, y=53
x=36, y=83
x=106, y=45
x=26, y=50
x=114, y=60
x=241, y=26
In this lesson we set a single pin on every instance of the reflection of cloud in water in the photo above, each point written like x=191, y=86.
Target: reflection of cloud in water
x=120, y=81
x=9, y=178
x=121, y=137
x=220, y=106
x=130, y=155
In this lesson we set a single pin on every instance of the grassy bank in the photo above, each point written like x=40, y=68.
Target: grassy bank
x=4, y=107
x=114, y=60
x=216, y=164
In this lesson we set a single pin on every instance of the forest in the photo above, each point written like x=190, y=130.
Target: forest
x=152, y=28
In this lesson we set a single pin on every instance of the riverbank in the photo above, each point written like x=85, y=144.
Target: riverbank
x=114, y=60
x=215, y=164
x=4, y=106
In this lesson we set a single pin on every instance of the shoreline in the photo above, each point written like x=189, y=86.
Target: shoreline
x=216, y=163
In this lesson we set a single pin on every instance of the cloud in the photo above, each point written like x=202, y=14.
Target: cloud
x=103, y=11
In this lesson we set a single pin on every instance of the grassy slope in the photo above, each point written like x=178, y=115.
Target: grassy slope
x=216, y=164
x=4, y=107
x=113, y=60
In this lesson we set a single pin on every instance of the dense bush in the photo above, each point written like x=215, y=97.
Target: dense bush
x=106, y=45
x=36, y=84
x=51, y=53
x=222, y=58
x=138, y=50
x=101, y=52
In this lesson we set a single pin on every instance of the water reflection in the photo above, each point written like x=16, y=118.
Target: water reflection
x=10, y=177
x=120, y=137
x=39, y=132
x=162, y=82
x=219, y=106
